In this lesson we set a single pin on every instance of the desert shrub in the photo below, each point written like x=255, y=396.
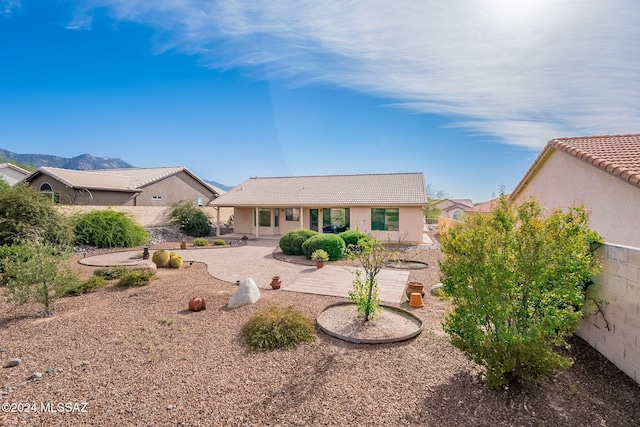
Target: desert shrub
x=29, y=216
x=108, y=229
x=351, y=237
x=515, y=279
x=137, y=277
x=331, y=243
x=190, y=219
x=277, y=327
x=40, y=274
x=219, y=242
x=200, y=241
x=291, y=242
x=110, y=273
x=161, y=258
x=86, y=286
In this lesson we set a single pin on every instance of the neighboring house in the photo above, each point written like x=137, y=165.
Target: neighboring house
x=453, y=208
x=484, y=207
x=12, y=173
x=601, y=172
x=389, y=206
x=122, y=187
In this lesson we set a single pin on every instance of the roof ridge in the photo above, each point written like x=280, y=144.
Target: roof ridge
x=337, y=175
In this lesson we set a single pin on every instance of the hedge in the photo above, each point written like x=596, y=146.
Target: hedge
x=332, y=243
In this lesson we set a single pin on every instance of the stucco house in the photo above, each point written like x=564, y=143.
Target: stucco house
x=12, y=173
x=388, y=206
x=601, y=172
x=161, y=186
x=454, y=208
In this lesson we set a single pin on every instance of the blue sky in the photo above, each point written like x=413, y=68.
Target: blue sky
x=467, y=92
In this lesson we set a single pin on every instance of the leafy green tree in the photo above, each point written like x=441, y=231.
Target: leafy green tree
x=190, y=219
x=25, y=213
x=373, y=256
x=516, y=280
x=39, y=274
x=434, y=196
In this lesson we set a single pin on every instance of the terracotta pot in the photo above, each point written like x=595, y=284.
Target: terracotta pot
x=414, y=287
x=183, y=245
x=319, y=264
x=276, y=282
x=415, y=300
x=197, y=304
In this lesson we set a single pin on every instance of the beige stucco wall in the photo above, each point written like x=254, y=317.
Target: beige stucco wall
x=70, y=196
x=617, y=338
x=175, y=188
x=10, y=175
x=614, y=204
x=411, y=223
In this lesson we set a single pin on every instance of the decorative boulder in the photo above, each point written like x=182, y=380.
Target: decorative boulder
x=247, y=293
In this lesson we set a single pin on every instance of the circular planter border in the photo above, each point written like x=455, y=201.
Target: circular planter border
x=399, y=265
x=373, y=341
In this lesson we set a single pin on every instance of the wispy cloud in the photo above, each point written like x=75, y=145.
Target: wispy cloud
x=518, y=72
x=8, y=6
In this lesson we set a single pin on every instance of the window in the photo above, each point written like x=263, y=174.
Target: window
x=385, y=219
x=48, y=190
x=293, y=214
x=264, y=217
x=200, y=201
x=335, y=220
x=46, y=187
x=157, y=197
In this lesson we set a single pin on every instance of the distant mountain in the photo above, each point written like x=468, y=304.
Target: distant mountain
x=82, y=162
x=217, y=184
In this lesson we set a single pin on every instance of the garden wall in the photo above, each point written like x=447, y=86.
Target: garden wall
x=146, y=216
x=617, y=334
x=445, y=223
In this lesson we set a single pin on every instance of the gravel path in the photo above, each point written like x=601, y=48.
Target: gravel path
x=137, y=357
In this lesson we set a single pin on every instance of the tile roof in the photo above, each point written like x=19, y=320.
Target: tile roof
x=398, y=189
x=618, y=155
x=128, y=180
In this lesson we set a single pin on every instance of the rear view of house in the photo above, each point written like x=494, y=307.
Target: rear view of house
x=388, y=206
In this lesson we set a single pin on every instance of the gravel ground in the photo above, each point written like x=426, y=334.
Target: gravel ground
x=137, y=357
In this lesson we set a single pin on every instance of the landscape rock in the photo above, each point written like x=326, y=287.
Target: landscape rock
x=247, y=293
x=434, y=288
x=36, y=376
x=13, y=362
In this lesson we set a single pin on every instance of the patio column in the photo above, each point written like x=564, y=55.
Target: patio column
x=301, y=217
x=218, y=222
x=257, y=223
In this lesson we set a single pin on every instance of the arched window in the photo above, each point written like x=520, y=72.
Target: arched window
x=46, y=187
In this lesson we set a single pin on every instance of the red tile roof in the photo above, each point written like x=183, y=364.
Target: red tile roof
x=618, y=155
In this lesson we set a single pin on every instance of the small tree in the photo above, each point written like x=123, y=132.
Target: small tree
x=38, y=273
x=190, y=219
x=516, y=280
x=434, y=196
x=373, y=256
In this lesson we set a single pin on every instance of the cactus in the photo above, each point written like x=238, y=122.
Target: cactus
x=161, y=258
x=175, y=261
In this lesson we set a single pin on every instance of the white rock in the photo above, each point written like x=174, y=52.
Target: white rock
x=247, y=293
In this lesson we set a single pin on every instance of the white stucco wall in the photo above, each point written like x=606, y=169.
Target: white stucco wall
x=563, y=180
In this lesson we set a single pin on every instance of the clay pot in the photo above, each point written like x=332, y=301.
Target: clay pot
x=319, y=264
x=414, y=287
x=276, y=282
x=197, y=304
x=183, y=245
x=415, y=300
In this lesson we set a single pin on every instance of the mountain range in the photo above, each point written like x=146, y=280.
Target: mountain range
x=81, y=162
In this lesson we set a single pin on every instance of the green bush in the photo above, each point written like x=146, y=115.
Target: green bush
x=515, y=279
x=29, y=216
x=40, y=274
x=351, y=237
x=190, y=219
x=110, y=273
x=277, y=327
x=219, y=242
x=86, y=286
x=331, y=243
x=291, y=242
x=138, y=277
x=109, y=229
x=200, y=241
